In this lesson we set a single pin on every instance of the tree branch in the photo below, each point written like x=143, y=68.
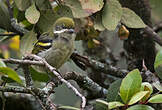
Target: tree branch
x=158, y=27
x=86, y=83
x=41, y=62
x=9, y=8
x=46, y=97
x=14, y=27
x=98, y=66
x=19, y=29
x=150, y=77
x=152, y=34
x=39, y=100
x=28, y=78
x=14, y=89
x=9, y=34
x=16, y=61
x=53, y=70
x=43, y=93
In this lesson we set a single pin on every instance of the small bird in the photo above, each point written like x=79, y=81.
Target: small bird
x=56, y=48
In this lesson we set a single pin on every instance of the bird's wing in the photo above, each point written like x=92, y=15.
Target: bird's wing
x=42, y=45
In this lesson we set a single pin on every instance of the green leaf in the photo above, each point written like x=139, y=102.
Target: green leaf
x=140, y=107
x=32, y=14
x=4, y=17
x=146, y=87
x=130, y=85
x=113, y=91
x=158, y=64
x=36, y=76
x=76, y=8
x=131, y=19
x=112, y=13
x=156, y=99
x=2, y=64
x=43, y=4
x=22, y=4
x=92, y=6
x=11, y=74
x=103, y=103
x=27, y=43
x=113, y=105
x=63, y=11
x=158, y=86
x=27, y=25
x=98, y=22
x=68, y=108
x=19, y=15
x=7, y=79
x=90, y=44
x=138, y=96
x=46, y=21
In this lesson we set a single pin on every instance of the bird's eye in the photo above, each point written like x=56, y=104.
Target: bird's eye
x=71, y=31
x=57, y=28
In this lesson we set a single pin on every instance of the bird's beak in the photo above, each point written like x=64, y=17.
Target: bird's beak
x=71, y=31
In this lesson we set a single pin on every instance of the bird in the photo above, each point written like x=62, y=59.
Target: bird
x=56, y=48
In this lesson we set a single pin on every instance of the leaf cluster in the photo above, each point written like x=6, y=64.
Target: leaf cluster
x=90, y=16
x=130, y=93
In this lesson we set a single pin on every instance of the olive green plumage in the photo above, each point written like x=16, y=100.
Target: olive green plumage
x=65, y=22
x=58, y=48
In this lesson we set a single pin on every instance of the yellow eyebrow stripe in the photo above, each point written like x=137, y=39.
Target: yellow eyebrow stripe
x=44, y=44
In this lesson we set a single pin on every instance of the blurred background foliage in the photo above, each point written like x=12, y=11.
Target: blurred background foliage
x=156, y=10
x=156, y=16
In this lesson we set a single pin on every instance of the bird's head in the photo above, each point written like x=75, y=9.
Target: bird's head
x=64, y=27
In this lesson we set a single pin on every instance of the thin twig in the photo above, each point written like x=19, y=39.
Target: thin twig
x=151, y=33
x=28, y=78
x=9, y=8
x=9, y=34
x=34, y=91
x=16, y=61
x=86, y=83
x=46, y=97
x=158, y=27
x=53, y=70
x=14, y=26
x=42, y=62
x=98, y=66
x=3, y=98
x=25, y=66
x=14, y=89
x=51, y=105
x=150, y=77
x=38, y=99
x=3, y=101
x=21, y=30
